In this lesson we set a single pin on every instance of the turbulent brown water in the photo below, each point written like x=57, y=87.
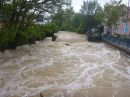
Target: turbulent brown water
x=68, y=67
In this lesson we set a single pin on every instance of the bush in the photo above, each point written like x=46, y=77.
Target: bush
x=80, y=29
x=55, y=28
x=115, y=36
x=11, y=36
x=110, y=35
x=122, y=37
x=63, y=27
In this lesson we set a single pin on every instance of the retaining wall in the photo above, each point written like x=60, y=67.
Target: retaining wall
x=119, y=47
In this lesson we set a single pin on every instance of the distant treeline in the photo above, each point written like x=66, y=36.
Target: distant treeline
x=78, y=22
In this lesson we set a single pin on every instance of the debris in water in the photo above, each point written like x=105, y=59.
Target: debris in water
x=65, y=94
x=67, y=44
x=41, y=95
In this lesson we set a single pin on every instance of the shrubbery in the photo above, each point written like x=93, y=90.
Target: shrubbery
x=19, y=16
x=10, y=37
x=80, y=29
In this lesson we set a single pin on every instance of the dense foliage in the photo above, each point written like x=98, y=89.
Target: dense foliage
x=85, y=19
x=88, y=11
x=63, y=17
x=19, y=21
x=80, y=29
x=20, y=18
x=68, y=20
x=112, y=12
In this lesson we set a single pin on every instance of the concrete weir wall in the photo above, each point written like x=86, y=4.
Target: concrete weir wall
x=116, y=46
x=94, y=38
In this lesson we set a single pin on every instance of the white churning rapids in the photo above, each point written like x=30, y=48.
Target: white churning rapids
x=68, y=67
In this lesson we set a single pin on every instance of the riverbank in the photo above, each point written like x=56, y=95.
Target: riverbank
x=121, y=48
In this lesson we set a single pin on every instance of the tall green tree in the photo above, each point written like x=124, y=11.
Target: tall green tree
x=18, y=18
x=99, y=15
x=63, y=14
x=86, y=16
x=67, y=16
x=58, y=16
x=112, y=12
x=76, y=21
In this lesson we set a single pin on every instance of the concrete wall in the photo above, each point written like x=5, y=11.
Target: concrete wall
x=116, y=46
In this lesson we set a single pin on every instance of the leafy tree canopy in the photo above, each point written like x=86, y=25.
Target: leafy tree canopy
x=112, y=12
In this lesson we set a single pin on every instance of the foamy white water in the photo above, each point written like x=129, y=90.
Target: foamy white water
x=69, y=67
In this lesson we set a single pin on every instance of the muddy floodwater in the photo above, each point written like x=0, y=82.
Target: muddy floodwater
x=69, y=67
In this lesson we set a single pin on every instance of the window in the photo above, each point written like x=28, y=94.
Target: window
x=124, y=22
x=115, y=30
x=117, y=21
x=123, y=29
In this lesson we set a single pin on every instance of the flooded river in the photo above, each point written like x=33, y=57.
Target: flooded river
x=68, y=67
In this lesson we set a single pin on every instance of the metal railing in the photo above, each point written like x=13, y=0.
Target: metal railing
x=121, y=41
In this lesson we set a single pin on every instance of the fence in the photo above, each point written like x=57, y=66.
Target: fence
x=121, y=41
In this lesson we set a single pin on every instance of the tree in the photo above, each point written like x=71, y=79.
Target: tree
x=89, y=7
x=67, y=16
x=76, y=21
x=113, y=11
x=58, y=16
x=18, y=18
x=80, y=29
x=86, y=16
x=99, y=15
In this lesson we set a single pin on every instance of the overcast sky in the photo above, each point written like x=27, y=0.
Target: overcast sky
x=77, y=3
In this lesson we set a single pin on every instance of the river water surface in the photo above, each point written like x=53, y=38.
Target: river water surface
x=68, y=67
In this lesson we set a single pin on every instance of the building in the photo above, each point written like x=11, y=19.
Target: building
x=121, y=27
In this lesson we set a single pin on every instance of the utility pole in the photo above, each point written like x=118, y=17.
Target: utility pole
x=127, y=16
